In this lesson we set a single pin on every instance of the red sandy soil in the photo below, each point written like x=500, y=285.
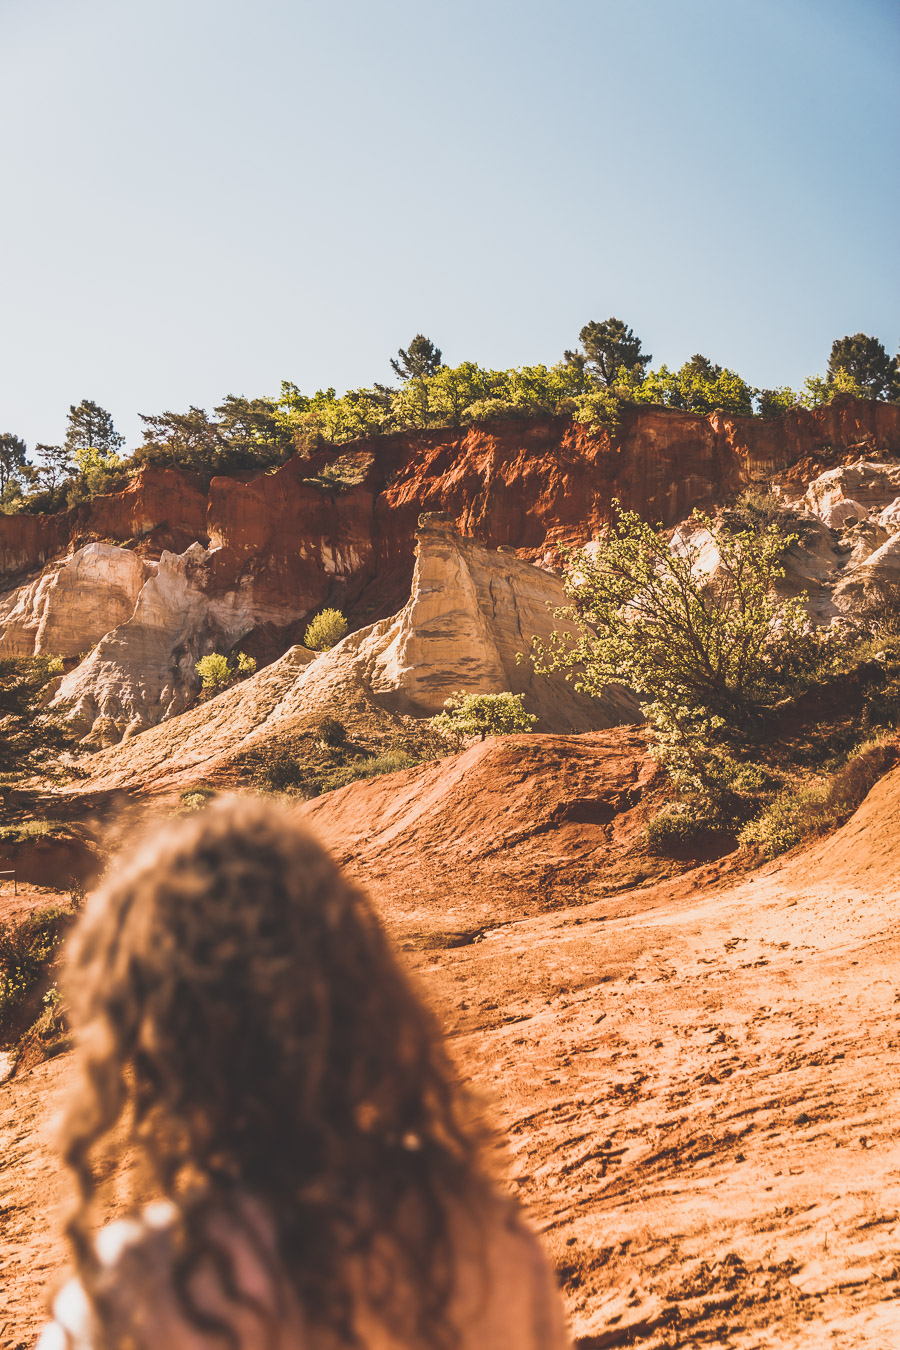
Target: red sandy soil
x=696, y=1078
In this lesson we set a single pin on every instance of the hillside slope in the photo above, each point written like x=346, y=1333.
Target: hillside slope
x=698, y=1082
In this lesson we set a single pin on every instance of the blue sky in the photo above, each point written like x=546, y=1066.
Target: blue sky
x=204, y=197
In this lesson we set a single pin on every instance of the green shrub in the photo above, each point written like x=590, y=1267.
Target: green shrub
x=325, y=630
x=758, y=506
x=195, y=798
x=285, y=772
x=802, y=813
x=679, y=825
x=20, y=830
x=332, y=732
x=390, y=761
x=484, y=715
x=217, y=672
x=27, y=949
x=710, y=658
x=214, y=671
x=598, y=409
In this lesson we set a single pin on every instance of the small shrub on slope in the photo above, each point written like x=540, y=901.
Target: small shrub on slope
x=801, y=814
x=217, y=672
x=214, y=671
x=484, y=715
x=325, y=630
x=27, y=949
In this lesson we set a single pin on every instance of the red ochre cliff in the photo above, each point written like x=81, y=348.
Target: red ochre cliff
x=292, y=540
x=160, y=509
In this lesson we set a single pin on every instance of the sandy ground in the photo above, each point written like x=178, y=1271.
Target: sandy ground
x=697, y=1080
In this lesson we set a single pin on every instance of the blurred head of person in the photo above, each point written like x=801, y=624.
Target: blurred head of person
x=250, y=1046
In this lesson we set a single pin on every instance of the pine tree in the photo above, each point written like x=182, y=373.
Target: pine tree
x=867, y=363
x=608, y=346
x=91, y=428
x=422, y=358
x=12, y=459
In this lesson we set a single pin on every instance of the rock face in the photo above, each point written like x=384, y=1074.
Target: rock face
x=307, y=533
x=471, y=611
x=73, y=603
x=160, y=509
x=144, y=670
x=529, y=485
x=339, y=528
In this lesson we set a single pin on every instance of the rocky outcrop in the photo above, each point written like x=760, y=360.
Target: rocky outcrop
x=527, y=485
x=339, y=528
x=472, y=614
x=159, y=509
x=471, y=611
x=143, y=671
x=854, y=492
x=73, y=603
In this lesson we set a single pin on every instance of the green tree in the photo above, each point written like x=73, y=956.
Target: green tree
x=775, y=402
x=91, y=428
x=325, y=630
x=421, y=359
x=56, y=464
x=94, y=444
x=699, y=386
x=608, y=347
x=708, y=654
x=817, y=390
x=866, y=362
x=189, y=439
x=251, y=432
x=484, y=715
x=12, y=459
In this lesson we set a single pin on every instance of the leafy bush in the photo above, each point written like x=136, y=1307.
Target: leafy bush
x=801, y=813
x=30, y=735
x=598, y=409
x=325, y=630
x=332, y=731
x=484, y=715
x=285, y=772
x=195, y=798
x=27, y=949
x=679, y=825
x=19, y=830
x=758, y=507
x=216, y=671
x=390, y=761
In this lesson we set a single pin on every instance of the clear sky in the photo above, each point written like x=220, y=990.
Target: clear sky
x=204, y=197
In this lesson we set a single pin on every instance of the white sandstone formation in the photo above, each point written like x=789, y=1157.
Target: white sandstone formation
x=471, y=611
x=73, y=603
x=143, y=671
x=852, y=493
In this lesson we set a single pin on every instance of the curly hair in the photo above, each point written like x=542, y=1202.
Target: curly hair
x=244, y=1026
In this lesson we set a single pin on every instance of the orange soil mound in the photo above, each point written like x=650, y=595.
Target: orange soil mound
x=513, y=826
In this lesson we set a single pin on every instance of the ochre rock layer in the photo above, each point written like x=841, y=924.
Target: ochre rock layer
x=293, y=540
